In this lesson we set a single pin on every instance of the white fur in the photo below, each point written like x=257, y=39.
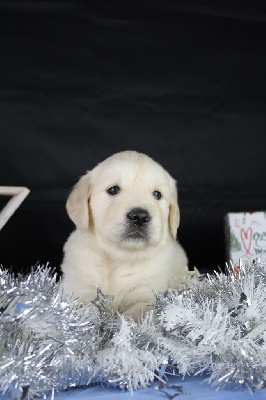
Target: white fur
x=96, y=253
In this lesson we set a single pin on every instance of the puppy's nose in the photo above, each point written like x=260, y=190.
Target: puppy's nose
x=138, y=216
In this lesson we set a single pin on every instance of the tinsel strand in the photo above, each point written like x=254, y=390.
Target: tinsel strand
x=216, y=325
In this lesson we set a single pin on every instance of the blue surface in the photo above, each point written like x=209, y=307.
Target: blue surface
x=195, y=389
x=194, y=386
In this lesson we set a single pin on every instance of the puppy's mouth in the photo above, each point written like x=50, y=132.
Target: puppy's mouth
x=136, y=234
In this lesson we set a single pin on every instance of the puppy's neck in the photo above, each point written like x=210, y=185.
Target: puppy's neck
x=115, y=252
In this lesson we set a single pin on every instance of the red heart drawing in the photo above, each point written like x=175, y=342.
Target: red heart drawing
x=246, y=237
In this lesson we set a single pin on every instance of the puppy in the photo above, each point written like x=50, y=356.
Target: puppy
x=126, y=214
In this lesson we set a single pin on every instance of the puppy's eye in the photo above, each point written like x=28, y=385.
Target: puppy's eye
x=113, y=190
x=157, y=194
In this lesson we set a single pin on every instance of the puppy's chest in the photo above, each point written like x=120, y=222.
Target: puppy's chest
x=117, y=277
x=123, y=275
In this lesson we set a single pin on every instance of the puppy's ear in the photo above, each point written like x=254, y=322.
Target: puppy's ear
x=174, y=215
x=78, y=203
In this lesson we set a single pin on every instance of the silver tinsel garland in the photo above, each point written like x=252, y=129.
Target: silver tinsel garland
x=49, y=343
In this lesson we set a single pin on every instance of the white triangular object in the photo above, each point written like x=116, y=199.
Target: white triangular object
x=18, y=195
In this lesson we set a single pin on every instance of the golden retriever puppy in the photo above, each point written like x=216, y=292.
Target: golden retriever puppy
x=126, y=214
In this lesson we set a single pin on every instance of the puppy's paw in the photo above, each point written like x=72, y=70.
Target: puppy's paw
x=182, y=281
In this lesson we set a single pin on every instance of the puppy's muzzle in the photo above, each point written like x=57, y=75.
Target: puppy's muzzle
x=137, y=223
x=138, y=217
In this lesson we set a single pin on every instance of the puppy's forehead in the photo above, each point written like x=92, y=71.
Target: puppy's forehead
x=128, y=171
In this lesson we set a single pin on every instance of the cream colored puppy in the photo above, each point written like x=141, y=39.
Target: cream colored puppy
x=127, y=216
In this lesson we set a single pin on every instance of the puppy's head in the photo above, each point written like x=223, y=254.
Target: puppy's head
x=128, y=201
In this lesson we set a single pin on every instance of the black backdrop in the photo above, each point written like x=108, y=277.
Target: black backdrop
x=183, y=81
